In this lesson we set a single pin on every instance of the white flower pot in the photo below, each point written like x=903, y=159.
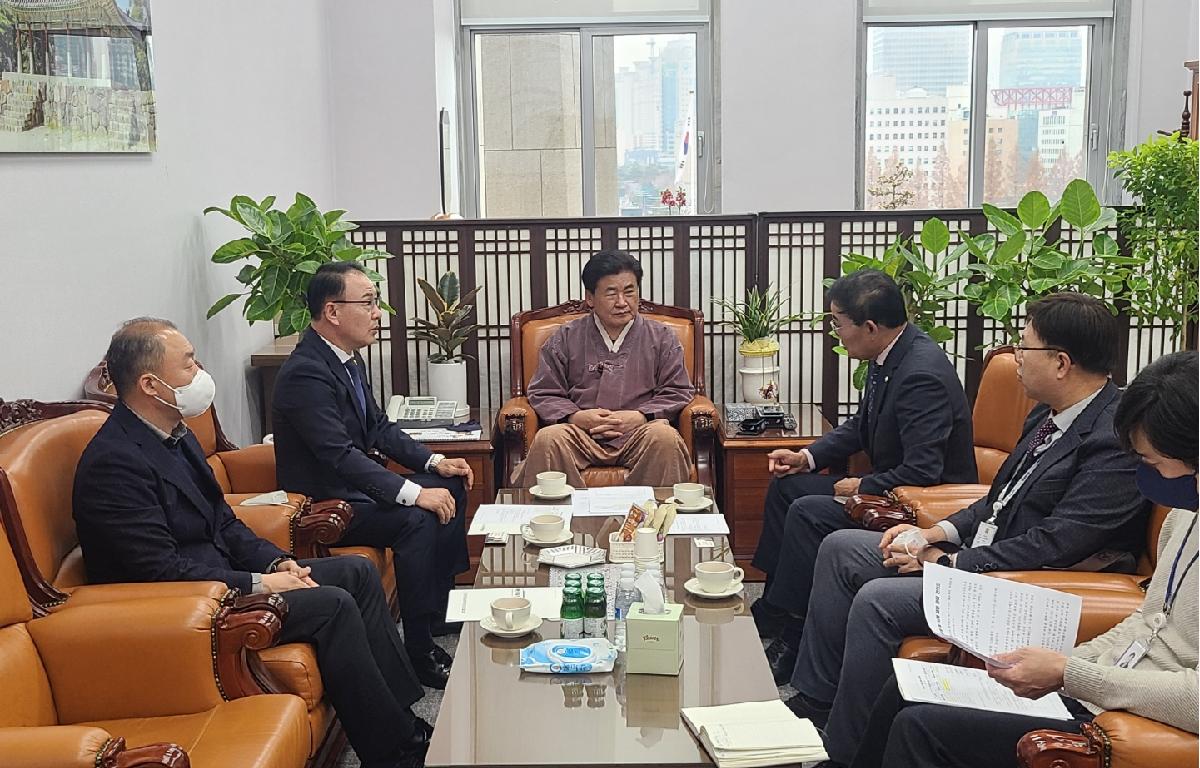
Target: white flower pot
x=758, y=370
x=448, y=381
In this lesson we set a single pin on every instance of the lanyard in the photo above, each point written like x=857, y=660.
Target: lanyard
x=1009, y=491
x=1172, y=588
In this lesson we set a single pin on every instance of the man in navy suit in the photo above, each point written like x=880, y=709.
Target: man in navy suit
x=148, y=508
x=326, y=421
x=1065, y=499
x=913, y=423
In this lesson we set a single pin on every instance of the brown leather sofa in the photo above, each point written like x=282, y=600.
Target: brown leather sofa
x=517, y=423
x=155, y=681
x=304, y=527
x=1000, y=409
x=40, y=446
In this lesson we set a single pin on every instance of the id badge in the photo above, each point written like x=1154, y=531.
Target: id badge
x=1133, y=654
x=985, y=534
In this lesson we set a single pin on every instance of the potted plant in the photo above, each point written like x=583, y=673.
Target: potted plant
x=447, y=331
x=1161, y=230
x=758, y=319
x=289, y=247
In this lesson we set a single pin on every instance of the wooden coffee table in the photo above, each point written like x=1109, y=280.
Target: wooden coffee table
x=494, y=714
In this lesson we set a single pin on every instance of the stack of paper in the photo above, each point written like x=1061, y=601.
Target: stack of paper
x=614, y=500
x=510, y=518
x=473, y=604
x=754, y=733
x=924, y=683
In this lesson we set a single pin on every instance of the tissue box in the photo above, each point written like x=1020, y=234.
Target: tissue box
x=654, y=642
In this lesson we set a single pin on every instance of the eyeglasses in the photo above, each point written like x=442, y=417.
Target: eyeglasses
x=1021, y=350
x=372, y=302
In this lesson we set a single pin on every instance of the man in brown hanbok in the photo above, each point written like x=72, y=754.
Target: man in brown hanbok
x=608, y=385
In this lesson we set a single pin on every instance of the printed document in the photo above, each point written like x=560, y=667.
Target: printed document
x=925, y=683
x=473, y=604
x=508, y=518
x=690, y=525
x=986, y=615
x=603, y=502
x=754, y=733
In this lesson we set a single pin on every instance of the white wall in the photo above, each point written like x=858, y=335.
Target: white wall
x=1163, y=34
x=787, y=105
x=92, y=240
x=385, y=107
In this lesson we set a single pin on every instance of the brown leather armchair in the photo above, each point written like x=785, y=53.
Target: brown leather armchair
x=155, y=681
x=40, y=447
x=517, y=423
x=1111, y=740
x=1001, y=407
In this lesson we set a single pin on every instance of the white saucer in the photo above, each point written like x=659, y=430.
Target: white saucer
x=489, y=625
x=563, y=538
x=692, y=585
x=538, y=493
x=681, y=507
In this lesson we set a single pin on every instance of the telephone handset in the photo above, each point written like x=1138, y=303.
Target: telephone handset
x=421, y=412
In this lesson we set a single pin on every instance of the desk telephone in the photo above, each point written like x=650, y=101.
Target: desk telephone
x=421, y=412
x=766, y=417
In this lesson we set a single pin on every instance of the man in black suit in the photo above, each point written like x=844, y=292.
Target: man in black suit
x=148, y=508
x=1065, y=499
x=326, y=420
x=913, y=423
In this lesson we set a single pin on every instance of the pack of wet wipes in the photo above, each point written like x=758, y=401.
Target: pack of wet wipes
x=569, y=656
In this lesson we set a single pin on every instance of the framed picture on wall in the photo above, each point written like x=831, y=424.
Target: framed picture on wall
x=76, y=76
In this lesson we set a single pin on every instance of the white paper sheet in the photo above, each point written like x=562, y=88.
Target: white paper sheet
x=987, y=616
x=953, y=686
x=473, y=604
x=691, y=525
x=754, y=733
x=508, y=518
x=602, y=502
x=440, y=434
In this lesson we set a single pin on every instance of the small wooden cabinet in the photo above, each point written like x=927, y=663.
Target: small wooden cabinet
x=742, y=469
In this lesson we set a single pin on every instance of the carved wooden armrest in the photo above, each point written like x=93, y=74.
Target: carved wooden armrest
x=319, y=525
x=1045, y=748
x=80, y=746
x=698, y=428
x=516, y=424
x=246, y=623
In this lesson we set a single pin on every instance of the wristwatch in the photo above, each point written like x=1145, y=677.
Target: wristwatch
x=434, y=460
x=945, y=561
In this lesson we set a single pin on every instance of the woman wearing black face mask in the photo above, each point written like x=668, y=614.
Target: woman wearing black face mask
x=1146, y=664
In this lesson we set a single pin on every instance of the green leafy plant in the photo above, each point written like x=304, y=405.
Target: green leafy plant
x=1028, y=262
x=1161, y=230
x=289, y=247
x=758, y=319
x=923, y=268
x=450, y=328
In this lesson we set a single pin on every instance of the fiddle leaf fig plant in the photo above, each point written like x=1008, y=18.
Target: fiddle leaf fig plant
x=285, y=249
x=450, y=327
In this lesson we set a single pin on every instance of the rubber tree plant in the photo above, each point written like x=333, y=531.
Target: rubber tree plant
x=1161, y=230
x=1027, y=260
x=450, y=327
x=285, y=249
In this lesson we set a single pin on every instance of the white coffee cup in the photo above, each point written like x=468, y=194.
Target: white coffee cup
x=510, y=612
x=544, y=527
x=552, y=483
x=688, y=494
x=716, y=576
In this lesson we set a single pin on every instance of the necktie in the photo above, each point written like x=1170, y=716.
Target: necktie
x=872, y=385
x=360, y=394
x=1047, y=428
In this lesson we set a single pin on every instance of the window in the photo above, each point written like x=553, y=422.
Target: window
x=597, y=119
x=1031, y=123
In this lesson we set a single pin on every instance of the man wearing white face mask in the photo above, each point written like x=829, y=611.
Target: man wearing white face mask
x=148, y=508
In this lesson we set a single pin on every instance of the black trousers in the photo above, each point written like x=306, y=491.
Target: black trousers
x=903, y=735
x=780, y=494
x=363, y=664
x=426, y=554
x=809, y=520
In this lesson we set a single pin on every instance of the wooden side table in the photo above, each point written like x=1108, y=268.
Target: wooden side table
x=481, y=457
x=742, y=469
x=268, y=360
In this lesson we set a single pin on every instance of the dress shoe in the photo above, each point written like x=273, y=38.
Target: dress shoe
x=430, y=668
x=443, y=628
x=413, y=748
x=442, y=656
x=782, y=658
x=768, y=619
x=816, y=711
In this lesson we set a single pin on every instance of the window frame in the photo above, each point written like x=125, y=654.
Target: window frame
x=1101, y=130
x=706, y=99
